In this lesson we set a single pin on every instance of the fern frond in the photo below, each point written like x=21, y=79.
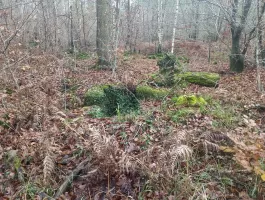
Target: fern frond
x=179, y=153
x=48, y=167
x=210, y=146
x=127, y=163
x=217, y=137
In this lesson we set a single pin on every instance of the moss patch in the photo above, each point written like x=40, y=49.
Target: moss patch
x=189, y=100
x=199, y=78
x=95, y=95
x=146, y=92
x=182, y=114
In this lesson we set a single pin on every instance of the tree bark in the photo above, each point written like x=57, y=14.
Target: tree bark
x=236, y=58
x=128, y=39
x=237, y=27
x=174, y=28
x=103, y=34
x=160, y=25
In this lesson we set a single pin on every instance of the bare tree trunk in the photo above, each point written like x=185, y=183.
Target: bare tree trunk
x=44, y=26
x=55, y=23
x=83, y=24
x=103, y=35
x=258, y=49
x=236, y=57
x=160, y=25
x=72, y=46
x=128, y=39
x=116, y=35
x=174, y=28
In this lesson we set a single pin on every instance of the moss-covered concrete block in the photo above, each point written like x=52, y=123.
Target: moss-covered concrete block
x=189, y=100
x=95, y=95
x=147, y=92
x=199, y=78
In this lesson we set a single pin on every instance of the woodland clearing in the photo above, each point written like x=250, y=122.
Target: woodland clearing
x=164, y=151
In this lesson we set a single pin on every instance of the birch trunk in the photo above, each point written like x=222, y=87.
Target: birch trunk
x=160, y=25
x=174, y=28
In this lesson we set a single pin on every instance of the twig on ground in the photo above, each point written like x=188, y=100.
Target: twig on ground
x=70, y=178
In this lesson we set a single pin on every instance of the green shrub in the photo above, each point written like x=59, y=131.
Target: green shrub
x=156, y=56
x=95, y=95
x=168, y=63
x=119, y=100
x=146, y=92
x=96, y=112
x=82, y=55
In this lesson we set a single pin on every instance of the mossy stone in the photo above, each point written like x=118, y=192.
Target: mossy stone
x=95, y=95
x=200, y=78
x=189, y=100
x=147, y=92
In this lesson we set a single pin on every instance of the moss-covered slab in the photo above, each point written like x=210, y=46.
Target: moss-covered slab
x=189, y=100
x=199, y=78
x=95, y=95
x=147, y=92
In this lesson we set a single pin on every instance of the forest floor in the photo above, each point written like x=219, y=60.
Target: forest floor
x=45, y=132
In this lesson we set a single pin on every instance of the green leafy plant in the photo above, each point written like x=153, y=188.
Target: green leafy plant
x=82, y=55
x=119, y=100
x=181, y=114
x=96, y=112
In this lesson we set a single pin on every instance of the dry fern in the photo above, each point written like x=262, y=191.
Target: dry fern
x=48, y=167
x=179, y=153
x=127, y=163
x=210, y=147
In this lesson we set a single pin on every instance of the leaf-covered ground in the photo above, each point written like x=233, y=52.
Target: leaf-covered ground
x=163, y=152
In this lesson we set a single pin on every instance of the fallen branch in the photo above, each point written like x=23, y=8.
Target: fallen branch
x=70, y=178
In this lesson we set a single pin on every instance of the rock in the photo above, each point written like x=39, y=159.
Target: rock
x=147, y=92
x=199, y=78
x=95, y=95
x=189, y=100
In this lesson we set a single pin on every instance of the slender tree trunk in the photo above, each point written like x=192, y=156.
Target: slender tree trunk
x=55, y=23
x=160, y=25
x=258, y=50
x=83, y=24
x=103, y=34
x=72, y=46
x=128, y=39
x=116, y=35
x=174, y=28
x=44, y=26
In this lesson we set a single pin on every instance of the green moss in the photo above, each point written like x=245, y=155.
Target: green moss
x=200, y=78
x=189, y=100
x=146, y=92
x=95, y=95
x=181, y=114
x=96, y=112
